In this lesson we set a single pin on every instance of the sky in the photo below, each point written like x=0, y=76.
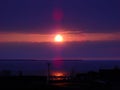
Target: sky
x=91, y=29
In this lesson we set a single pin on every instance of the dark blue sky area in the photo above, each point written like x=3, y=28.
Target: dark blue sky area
x=36, y=16
x=67, y=51
x=88, y=15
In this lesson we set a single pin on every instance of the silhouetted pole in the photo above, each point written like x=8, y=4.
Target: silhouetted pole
x=72, y=74
x=48, y=73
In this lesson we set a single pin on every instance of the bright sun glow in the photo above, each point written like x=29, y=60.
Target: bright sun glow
x=58, y=38
x=57, y=74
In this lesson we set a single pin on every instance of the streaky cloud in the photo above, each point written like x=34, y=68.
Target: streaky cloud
x=69, y=36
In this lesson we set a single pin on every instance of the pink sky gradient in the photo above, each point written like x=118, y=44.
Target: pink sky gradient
x=68, y=37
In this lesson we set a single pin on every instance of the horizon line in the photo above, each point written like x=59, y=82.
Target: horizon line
x=52, y=59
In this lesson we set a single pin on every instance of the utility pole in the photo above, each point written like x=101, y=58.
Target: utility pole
x=48, y=73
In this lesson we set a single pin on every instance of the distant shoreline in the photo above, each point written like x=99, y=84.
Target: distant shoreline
x=59, y=59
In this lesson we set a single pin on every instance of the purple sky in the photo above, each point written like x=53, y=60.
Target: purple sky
x=76, y=17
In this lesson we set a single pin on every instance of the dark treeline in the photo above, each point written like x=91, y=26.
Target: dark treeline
x=102, y=79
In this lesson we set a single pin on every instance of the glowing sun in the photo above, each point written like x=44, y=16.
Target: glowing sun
x=58, y=38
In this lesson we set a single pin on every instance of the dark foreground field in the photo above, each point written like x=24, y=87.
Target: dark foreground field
x=27, y=82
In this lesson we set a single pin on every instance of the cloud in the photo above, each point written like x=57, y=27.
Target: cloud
x=78, y=36
x=69, y=36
